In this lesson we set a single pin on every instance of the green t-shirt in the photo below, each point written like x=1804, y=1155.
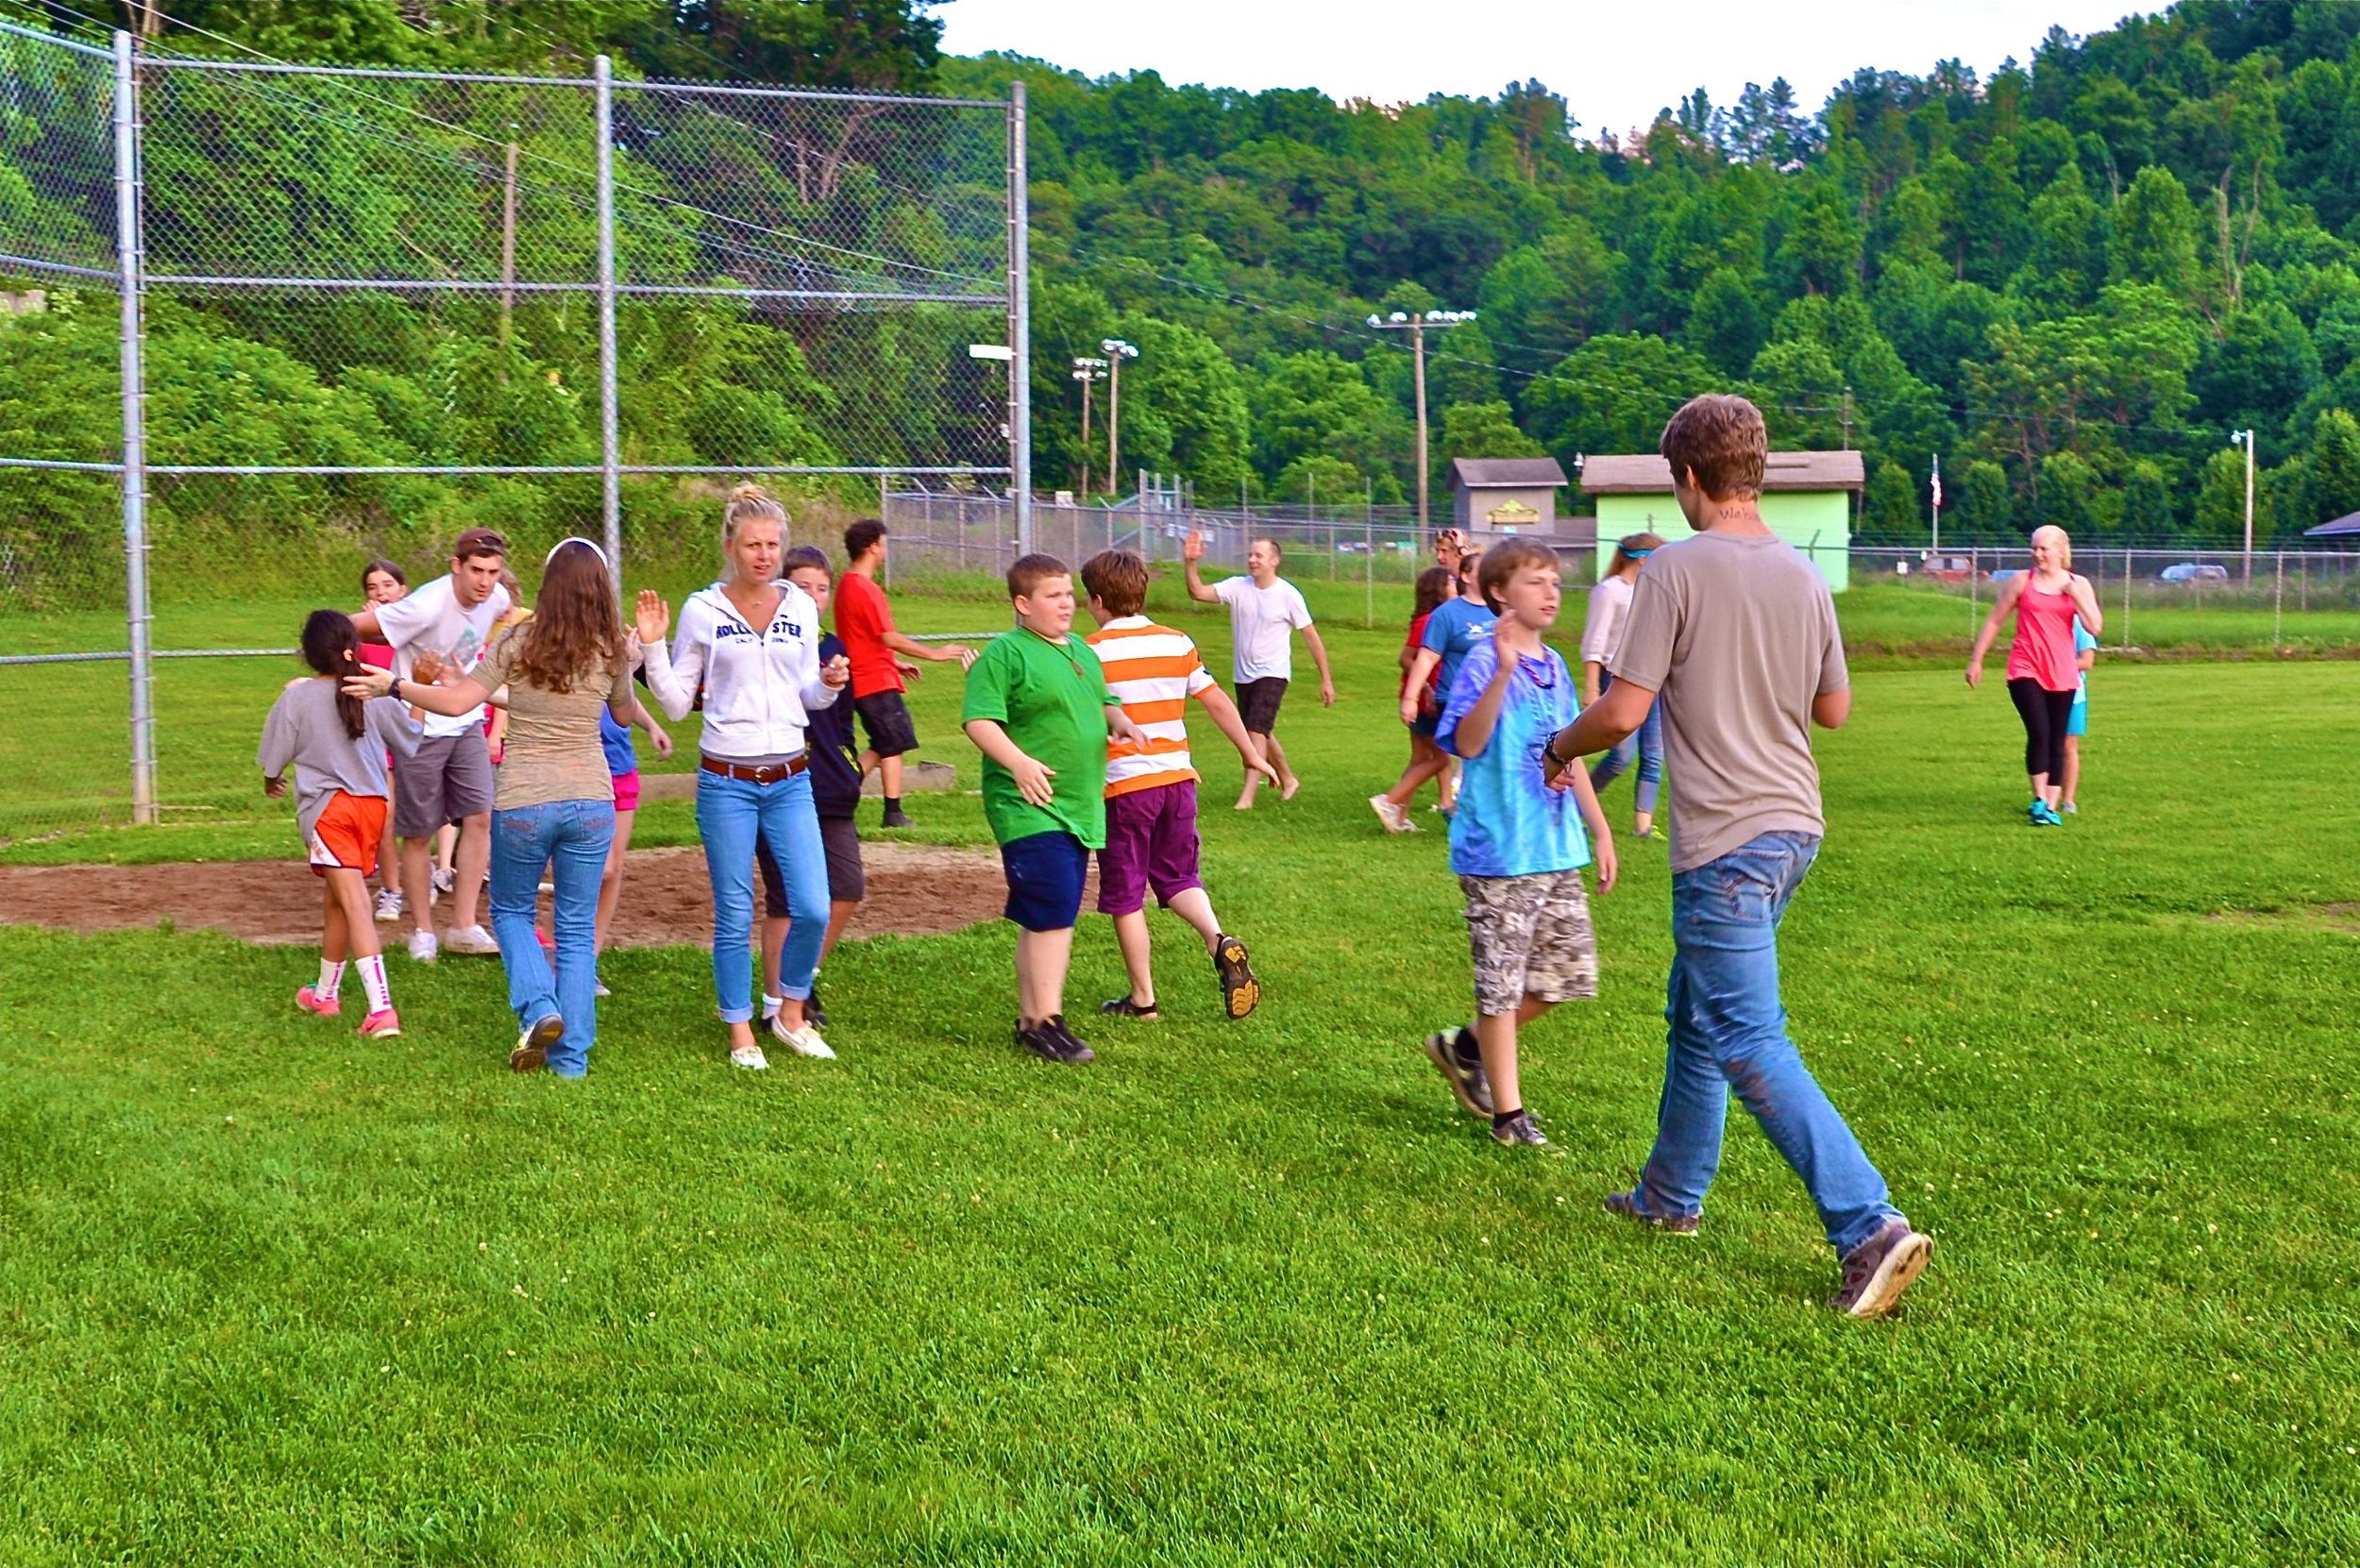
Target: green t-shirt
x=1051, y=698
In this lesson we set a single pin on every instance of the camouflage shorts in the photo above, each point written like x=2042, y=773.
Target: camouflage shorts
x=1531, y=937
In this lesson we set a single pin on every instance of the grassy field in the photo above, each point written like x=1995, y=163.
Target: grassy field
x=1253, y=1293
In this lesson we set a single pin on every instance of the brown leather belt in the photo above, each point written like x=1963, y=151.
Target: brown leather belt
x=771, y=774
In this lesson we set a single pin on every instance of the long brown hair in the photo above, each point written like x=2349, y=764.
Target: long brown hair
x=575, y=633
x=332, y=647
x=1432, y=583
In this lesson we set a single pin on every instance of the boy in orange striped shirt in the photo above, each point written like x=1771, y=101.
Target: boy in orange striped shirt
x=1151, y=791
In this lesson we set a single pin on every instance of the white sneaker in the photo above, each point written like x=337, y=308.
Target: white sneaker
x=748, y=1057
x=445, y=880
x=422, y=947
x=388, y=905
x=597, y=988
x=473, y=940
x=804, y=1042
x=1387, y=812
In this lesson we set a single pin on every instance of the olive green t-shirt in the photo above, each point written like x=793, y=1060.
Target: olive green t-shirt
x=1051, y=698
x=553, y=751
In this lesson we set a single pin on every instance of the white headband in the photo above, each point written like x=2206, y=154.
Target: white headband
x=577, y=539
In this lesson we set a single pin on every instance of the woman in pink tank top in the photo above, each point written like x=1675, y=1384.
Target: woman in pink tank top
x=2042, y=670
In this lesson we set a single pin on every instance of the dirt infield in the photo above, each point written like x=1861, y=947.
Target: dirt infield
x=913, y=889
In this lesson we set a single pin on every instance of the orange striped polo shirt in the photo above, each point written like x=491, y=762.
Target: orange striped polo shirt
x=1152, y=670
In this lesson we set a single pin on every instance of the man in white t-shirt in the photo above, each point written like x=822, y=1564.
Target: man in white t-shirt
x=447, y=623
x=1265, y=611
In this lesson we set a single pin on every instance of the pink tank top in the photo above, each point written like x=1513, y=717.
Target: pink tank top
x=2042, y=648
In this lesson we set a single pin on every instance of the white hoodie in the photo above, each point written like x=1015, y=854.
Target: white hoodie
x=758, y=685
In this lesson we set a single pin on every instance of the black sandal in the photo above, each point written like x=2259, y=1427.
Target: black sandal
x=1123, y=1006
x=1240, y=993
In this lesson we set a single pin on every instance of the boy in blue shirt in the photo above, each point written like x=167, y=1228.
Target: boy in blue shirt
x=1516, y=842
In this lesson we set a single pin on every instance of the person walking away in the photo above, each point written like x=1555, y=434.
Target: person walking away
x=752, y=643
x=1039, y=709
x=1516, y=844
x=1426, y=760
x=1601, y=634
x=1264, y=611
x=2043, y=673
x=2077, y=720
x=622, y=766
x=338, y=746
x=1735, y=634
x=382, y=583
x=864, y=622
x=449, y=779
x=1454, y=629
x=1152, y=839
x=554, y=810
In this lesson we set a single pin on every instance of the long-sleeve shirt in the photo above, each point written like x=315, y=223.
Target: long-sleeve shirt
x=760, y=688
x=305, y=729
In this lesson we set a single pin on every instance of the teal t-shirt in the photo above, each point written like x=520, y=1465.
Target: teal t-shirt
x=1051, y=698
x=2082, y=643
x=1510, y=823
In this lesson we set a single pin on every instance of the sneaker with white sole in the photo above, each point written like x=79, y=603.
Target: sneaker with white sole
x=1879, y=1269
x=445, y=880
x=382, y=1025
x=423, y=947
x=804, y=1042
x=1392, y=816
x=472, y=940
x=597, y=988
x=750, y=1057
x=388, y=905
x=533, y=1046
x=310, y=999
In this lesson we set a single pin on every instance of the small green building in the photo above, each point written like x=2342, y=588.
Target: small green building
x=1805, y=499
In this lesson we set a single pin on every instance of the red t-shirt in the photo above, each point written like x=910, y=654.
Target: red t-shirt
x=862, y=620
x=1429, y=698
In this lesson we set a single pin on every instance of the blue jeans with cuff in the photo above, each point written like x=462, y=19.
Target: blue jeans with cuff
x=572, y=838
x=732, y=814
x=1728, y=1032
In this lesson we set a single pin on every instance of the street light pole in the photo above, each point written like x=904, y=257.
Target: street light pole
x=1116, y=351
x=2245, y=439
x=1415, y=323
x=1087, y=371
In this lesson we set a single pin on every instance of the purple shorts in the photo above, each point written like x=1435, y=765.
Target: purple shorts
x=1151, y=842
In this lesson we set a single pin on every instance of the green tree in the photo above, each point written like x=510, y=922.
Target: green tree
x=2068, y=486
x=1890, y=508
x=2146, y=510
x=1725, y=325
x=1613, y=394
x=2335, y=468
x=1986, y=498
x=2220, y=502
x=2154, y=233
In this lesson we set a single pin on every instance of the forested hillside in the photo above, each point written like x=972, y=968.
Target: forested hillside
x=2070, y=280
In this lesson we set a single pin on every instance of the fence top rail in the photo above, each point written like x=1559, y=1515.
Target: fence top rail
x=56, y=41
x=757, y=90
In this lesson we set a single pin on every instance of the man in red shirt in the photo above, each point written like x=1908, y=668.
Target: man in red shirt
x=864, y=621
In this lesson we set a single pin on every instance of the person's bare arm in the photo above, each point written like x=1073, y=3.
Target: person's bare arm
x=1031, y=778
x=1830, y=710
x=2000, y=609
x=2085, y=604
x=1192, y=551
x=1420, y=667
x=1599, y=727
x=1319, y=657
x=1590, y=668
x=1601, y=836
x=365, y=622
x=1231, y=723
x=902, y=643
x=460, y=695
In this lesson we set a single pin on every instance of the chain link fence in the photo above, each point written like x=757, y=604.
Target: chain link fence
x=262, y=323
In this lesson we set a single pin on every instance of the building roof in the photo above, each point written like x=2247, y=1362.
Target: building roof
x=2345, y=525
x=1479, y=473
x=1646, y=474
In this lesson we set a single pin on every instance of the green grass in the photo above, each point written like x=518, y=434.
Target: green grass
x=1253, y=1293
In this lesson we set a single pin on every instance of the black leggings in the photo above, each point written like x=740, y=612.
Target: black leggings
x=2045, y=713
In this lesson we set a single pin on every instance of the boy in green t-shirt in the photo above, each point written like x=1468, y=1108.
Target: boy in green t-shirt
x=1039, y=709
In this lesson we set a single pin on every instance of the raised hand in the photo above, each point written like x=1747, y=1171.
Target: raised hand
x=653, y=617
x=369, y=682
x=1192, y=548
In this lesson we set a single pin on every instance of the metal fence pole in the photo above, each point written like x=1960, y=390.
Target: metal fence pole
x=609, y=418
x=1974, y=569
x=131, y=259
x=1368, y=546
x=1020, y=324
x=2278, y=599
x=2129, y=570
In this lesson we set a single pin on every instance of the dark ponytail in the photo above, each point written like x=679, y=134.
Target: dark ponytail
x=331, y=647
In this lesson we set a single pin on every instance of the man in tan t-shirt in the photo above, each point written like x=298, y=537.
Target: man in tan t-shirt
x=1738, y=634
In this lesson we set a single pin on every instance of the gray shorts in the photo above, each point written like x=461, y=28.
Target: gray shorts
x=447, y=780
x=1531, y=937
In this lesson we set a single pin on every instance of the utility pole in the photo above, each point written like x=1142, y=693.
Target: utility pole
x=1937, y=544
x=1116, y=351
x=1848, y=418
x=1088, y=371
x=1415, y=323
x=2245, y=439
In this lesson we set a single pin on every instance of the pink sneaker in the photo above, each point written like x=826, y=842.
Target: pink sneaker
x=310, y=1000
x=382, y=1025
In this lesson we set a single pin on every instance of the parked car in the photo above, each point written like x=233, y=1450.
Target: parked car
x=1948, y=568
x=2194, y=571
x=2006, y=572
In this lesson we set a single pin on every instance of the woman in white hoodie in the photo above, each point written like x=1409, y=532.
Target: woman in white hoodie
x=752, y=643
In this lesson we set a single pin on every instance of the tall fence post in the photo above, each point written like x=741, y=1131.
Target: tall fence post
x=883, y=488
x=131, y=259
x=1020, y=324
x=2129, y=569
x=1368, y=549
x=2278, y=599
x=1974, y=570
x=609, y=417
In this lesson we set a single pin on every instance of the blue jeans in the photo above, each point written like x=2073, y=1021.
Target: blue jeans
x=1728, y=1032
x=572, y=837
x=1645, y=743
x=731, y=815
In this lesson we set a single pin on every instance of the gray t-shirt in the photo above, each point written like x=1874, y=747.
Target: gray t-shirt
x=305, y=728
x=1738, y=634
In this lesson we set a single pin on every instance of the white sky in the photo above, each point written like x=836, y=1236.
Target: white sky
x=1616, y=63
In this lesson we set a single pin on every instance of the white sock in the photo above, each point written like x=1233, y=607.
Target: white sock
x=332, y=976
x=373, y=980
x=770, y=1005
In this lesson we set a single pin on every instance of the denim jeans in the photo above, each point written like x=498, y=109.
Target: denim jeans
x=1728, y=1032
x=572, y=837
x=1645, y=743
x=731, y=815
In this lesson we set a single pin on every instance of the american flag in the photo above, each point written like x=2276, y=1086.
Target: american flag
x=1937, y=484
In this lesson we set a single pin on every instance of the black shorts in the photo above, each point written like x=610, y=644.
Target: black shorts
x=847, y=880
x=1257, y=702
x=886, y=718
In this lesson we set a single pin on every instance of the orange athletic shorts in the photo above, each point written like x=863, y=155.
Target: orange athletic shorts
x=348, y=833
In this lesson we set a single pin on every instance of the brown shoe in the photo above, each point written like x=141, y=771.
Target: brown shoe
x=1879, y=1269
x=532, y=1047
